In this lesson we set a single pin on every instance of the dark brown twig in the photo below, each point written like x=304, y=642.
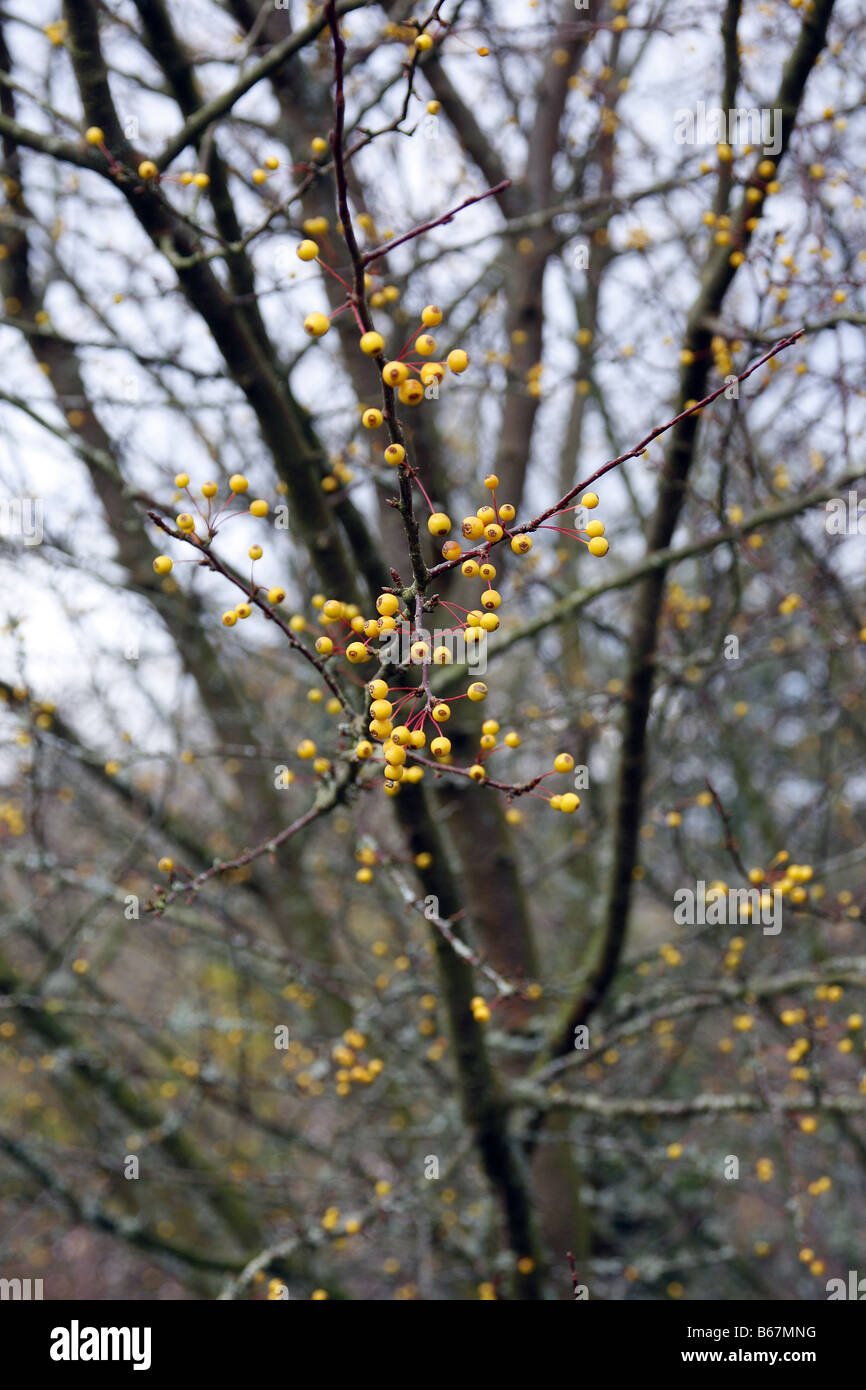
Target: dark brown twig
x=379, y=251
x=731, y=844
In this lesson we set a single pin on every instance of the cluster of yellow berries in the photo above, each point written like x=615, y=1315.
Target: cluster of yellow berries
x=487, y=526
x=485, y=529
x=409, y=378
x=148, y=171
x=491, y=524
x=367, y=858
x=352, y=1068
x=401, y=740
x=596, y=543
x=260, y=176
x=783, y=877
x=186, y=523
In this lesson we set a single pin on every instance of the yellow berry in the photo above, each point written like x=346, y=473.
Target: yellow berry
x=371, y=419
x=411, y=392
x=276, y=595
x=259, y=507
x=162, y=564
x=598, y=546
x=308, y=250
x=94, y=135
x=394, y=373
x=238, y=483
x=458, y=361
x=372, y=343
x=147, y=170
x=438, y=524
x=316, y=325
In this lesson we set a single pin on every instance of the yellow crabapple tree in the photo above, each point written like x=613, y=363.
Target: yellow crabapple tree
x=433, y=654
